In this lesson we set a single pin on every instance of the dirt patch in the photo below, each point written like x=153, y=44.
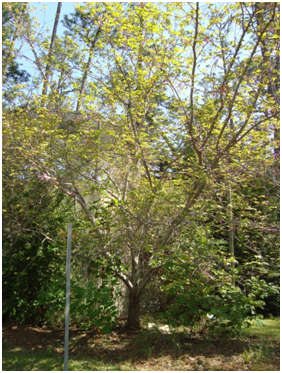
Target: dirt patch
x=149, y=350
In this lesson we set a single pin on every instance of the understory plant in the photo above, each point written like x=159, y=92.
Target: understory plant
x=205, y=286
x=92, y=302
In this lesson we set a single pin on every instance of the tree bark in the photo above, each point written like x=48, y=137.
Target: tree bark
x=133, y=319
x=51, y=49
x=84, y=79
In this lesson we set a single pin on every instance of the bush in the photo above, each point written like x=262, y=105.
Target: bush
x=91, y=302
x=202, y=288
x=25, y=274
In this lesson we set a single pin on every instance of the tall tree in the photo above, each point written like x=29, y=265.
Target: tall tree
x=12, y=20
x=14, y=16
x=51, y=50
x=89, y=29
x=157, y=54
x=270, y=50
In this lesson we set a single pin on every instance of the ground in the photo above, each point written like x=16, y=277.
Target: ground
x=40, y=348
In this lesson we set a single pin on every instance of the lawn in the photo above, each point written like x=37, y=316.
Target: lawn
x=29, y=348
x=269, y=328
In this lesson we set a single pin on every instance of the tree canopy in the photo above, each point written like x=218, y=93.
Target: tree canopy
x=160, y=121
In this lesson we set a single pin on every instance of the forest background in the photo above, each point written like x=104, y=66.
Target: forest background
x=153, y=129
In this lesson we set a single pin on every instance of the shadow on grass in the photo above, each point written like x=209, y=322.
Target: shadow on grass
x=29, y=348
x=23, y=359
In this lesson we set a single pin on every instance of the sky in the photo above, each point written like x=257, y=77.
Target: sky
x=45, y=12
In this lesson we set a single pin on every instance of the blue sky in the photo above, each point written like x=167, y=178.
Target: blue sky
x=45, y=13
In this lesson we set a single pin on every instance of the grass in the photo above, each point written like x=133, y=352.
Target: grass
x=30, y=349
x=18, y=359
x=267, y=335
x=268, y=328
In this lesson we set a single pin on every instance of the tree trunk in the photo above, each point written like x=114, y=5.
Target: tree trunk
x=133, y=319
x=51, y=49
x=84, y=79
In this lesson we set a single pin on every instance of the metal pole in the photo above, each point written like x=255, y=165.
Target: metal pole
x=67, y=319
x=231, y=231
